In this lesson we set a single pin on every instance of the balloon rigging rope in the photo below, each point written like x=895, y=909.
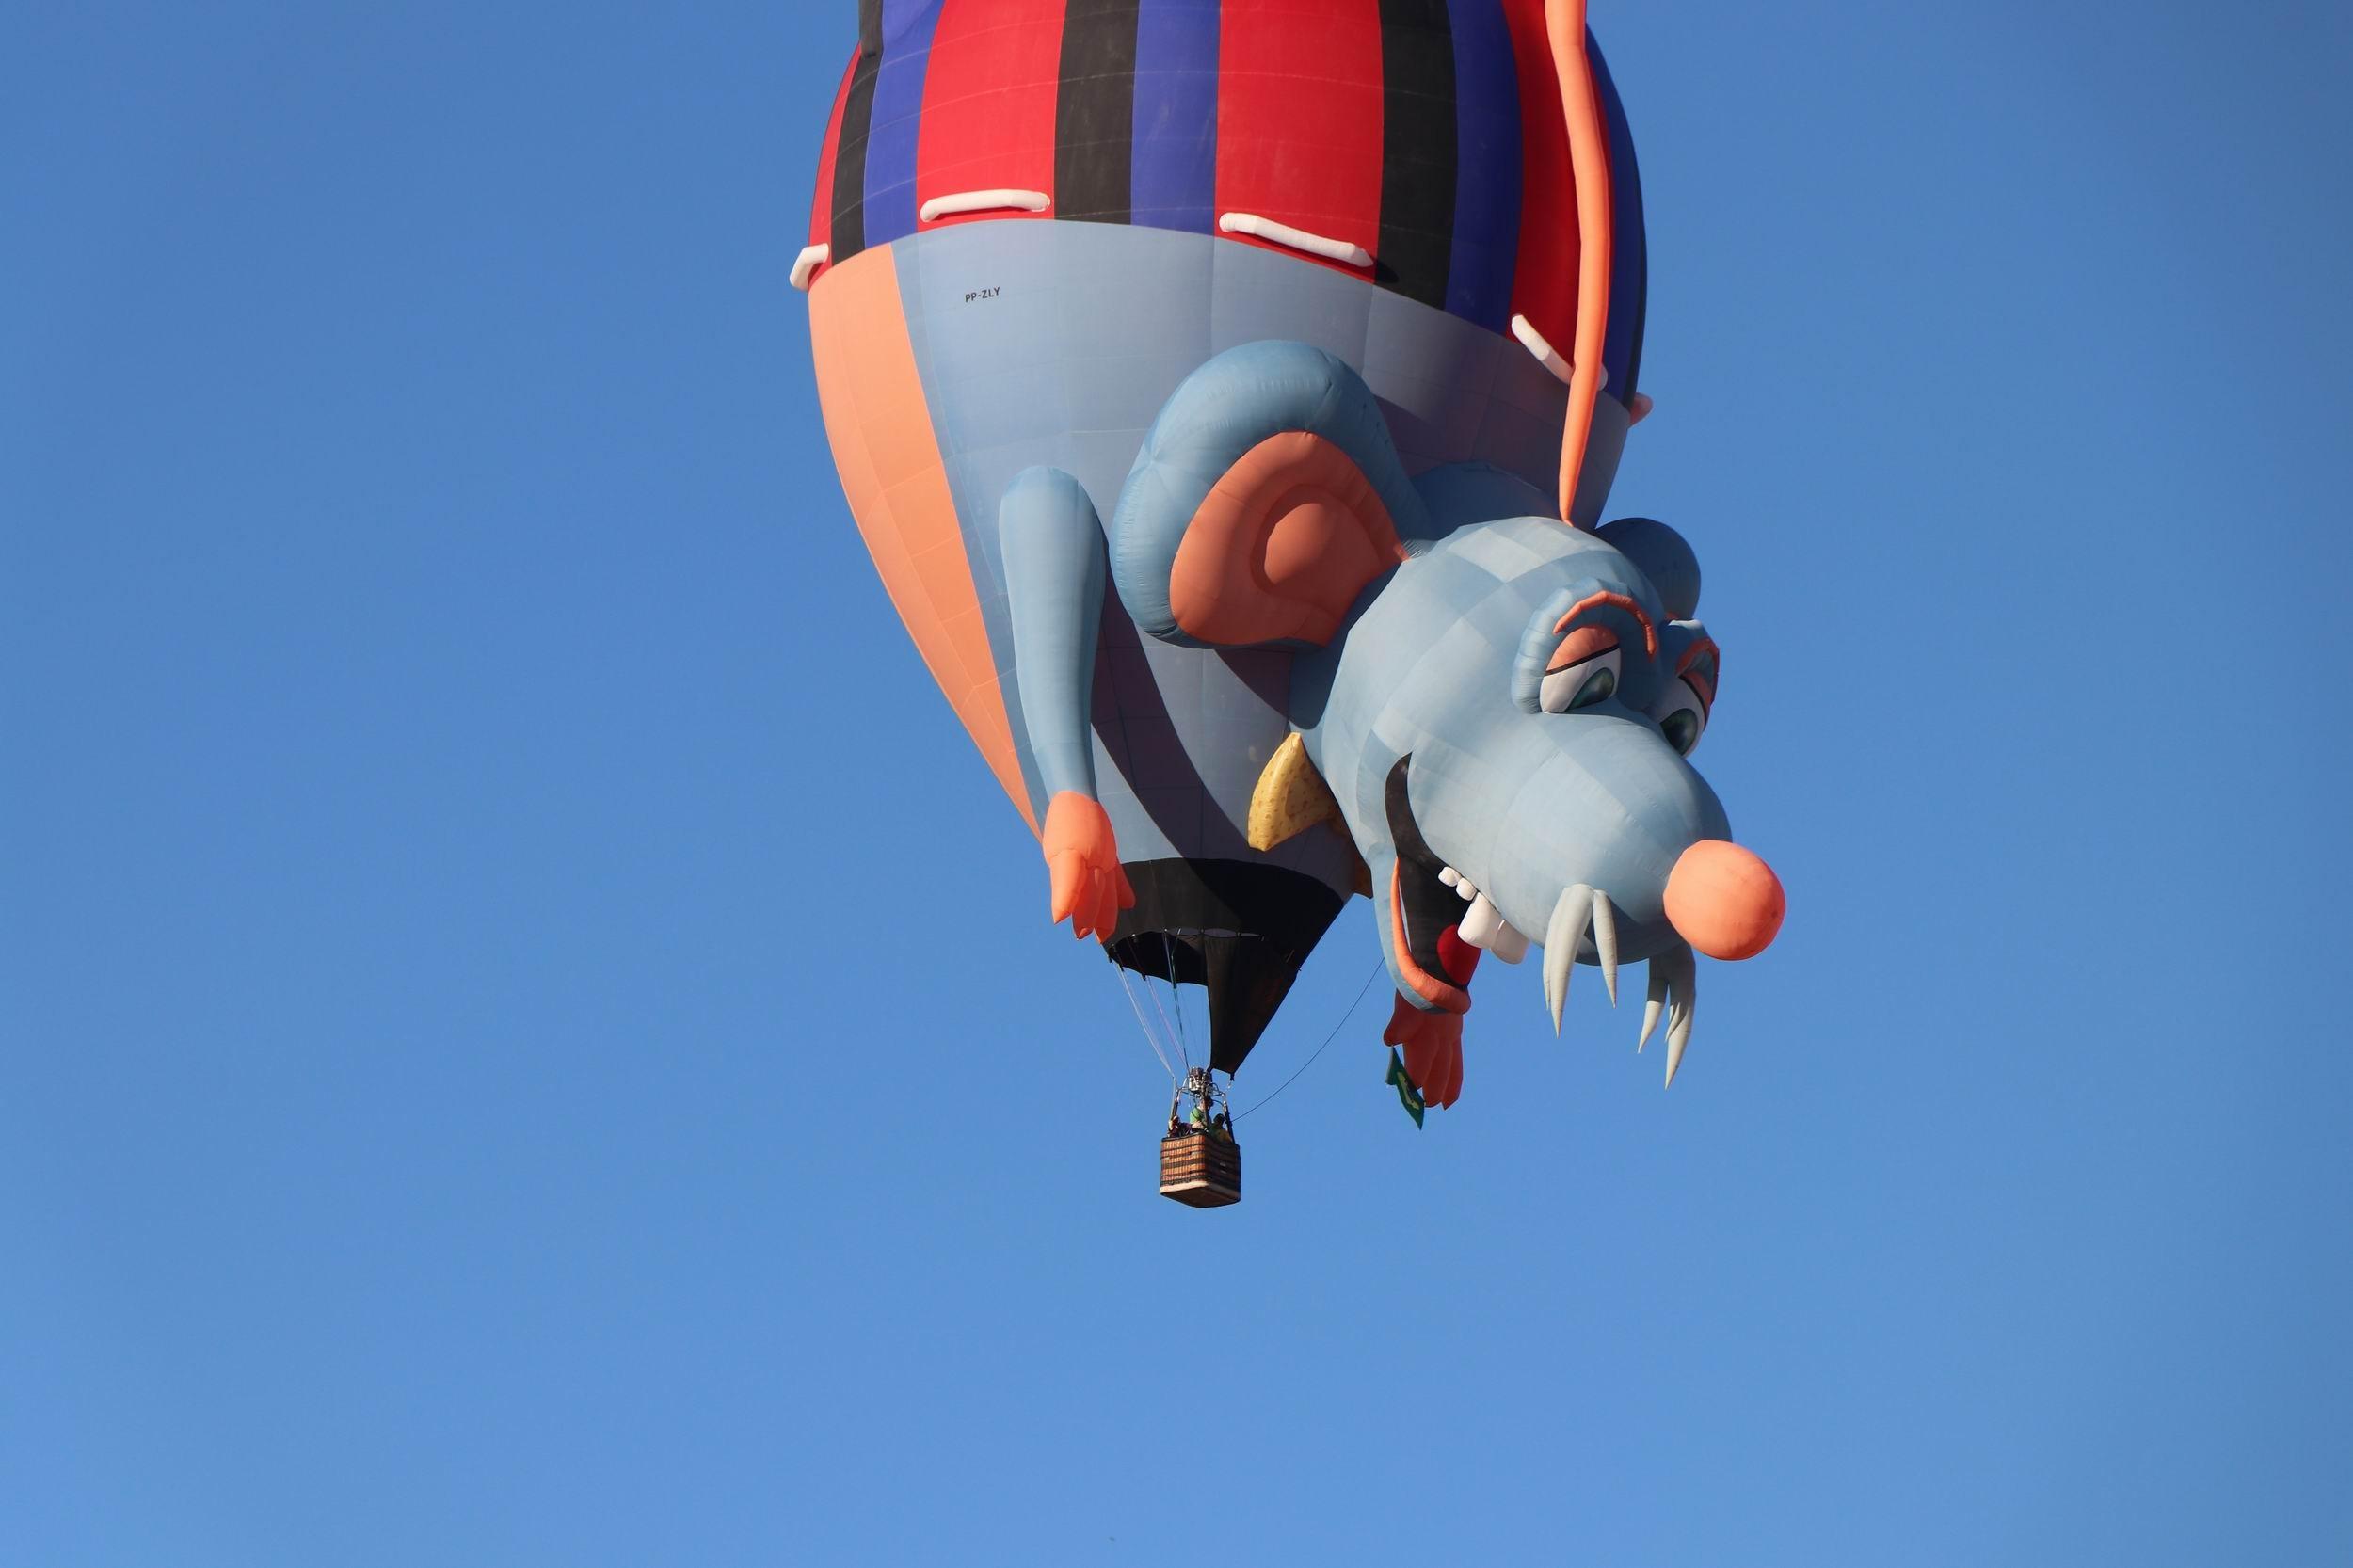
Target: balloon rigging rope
x=1327, y=1040
x=1141, y=1023
x=1177, y=1030
x=1168, y=1030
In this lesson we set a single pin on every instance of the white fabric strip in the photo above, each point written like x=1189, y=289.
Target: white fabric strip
x=1298, y=239
x=983, y=201
x=1534, y=342
x=809, y=260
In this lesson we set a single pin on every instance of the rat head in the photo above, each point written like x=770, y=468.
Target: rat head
x=1513, y=716
x=1503, y=707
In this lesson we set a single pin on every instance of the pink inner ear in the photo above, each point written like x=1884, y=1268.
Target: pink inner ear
x=1282, y=546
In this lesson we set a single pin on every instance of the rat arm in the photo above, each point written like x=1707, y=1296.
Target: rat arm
x=1052, y=546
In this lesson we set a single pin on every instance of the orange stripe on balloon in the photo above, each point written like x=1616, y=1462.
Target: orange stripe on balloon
x=1588, y=157
x=880, y=427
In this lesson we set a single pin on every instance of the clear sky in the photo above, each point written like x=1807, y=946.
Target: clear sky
x=531, y=1037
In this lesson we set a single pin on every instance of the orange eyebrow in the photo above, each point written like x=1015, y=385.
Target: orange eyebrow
x=1705, y=647
x=1619, y=601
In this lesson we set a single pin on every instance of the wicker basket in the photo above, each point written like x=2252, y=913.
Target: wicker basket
x=1200, y=1169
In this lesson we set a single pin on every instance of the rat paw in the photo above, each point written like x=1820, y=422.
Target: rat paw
x=1432, y=1044
x=1089, y=889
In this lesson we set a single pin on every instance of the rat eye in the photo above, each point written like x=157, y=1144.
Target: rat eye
x=1682, y=716
x=1587, y=680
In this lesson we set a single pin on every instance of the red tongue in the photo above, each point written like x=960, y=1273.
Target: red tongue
x=1459, y=956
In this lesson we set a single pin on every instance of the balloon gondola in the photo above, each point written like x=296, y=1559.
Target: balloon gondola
x=1200, y=1159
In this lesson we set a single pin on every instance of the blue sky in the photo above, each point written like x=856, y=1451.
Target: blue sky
x=530, y=1036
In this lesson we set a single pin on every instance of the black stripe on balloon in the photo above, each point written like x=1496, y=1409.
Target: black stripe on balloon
x=1095, y=111
x=1416, y=149
x=847, y=237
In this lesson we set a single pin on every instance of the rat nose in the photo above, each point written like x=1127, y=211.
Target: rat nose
x=1723, y=900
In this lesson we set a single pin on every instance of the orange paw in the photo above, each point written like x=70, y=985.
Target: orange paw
x=1082, y=858
x=1432, y=1043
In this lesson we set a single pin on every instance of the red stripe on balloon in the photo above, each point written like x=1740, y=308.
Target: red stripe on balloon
x=1544, y=281
x=1299, y=118
x=820, y=203
x=989, y=103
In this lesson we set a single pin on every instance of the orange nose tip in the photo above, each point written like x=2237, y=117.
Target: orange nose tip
x=1724, y=900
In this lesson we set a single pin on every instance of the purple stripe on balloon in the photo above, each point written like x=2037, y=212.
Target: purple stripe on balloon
x=898, y=116
x=1173, y=175
x=1486, y=165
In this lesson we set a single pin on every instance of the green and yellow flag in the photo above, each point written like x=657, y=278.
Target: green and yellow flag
x=1407, y=1095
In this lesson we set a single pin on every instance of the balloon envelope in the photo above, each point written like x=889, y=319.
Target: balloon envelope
x=1032, y=221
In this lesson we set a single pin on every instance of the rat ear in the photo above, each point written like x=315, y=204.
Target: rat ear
x=1266, y=496
x=1659, y=554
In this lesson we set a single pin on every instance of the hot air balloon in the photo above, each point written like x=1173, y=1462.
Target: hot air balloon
x=1228, y=395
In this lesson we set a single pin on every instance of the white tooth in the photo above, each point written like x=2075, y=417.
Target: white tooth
x=1563, y=934
x=1682, y=999
x=1606, y=943
x=1656, y=1004
x=1462, y=887
x=1479, y=926
x=1449, y=876
x=1510, y=945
